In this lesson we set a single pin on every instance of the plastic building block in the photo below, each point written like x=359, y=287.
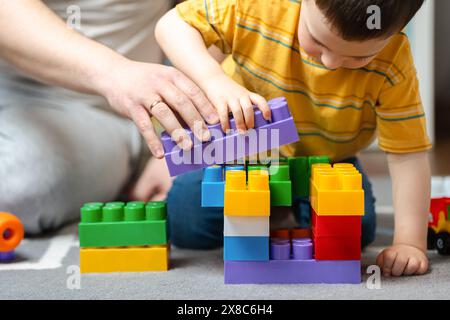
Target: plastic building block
x=94, y=260
x=11, y=231
x=292, y=271
x=336, y=190
x=224, y=148
x=298, y=167
x=280, y=186
x=213, y=187
x=337, y=248
x=247, y=200
x=114, y=225
x=280, y=234
x=246, y=248
x=302, y=249
x=300, y=233
x=339, y=226
x=7, y=256
x=316, y=159
x=236, y=226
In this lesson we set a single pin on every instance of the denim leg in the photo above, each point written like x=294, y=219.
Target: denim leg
x=302, y=208
x=189, y=224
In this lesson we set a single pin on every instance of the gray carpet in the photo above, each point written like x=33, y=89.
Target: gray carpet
x=44, y=270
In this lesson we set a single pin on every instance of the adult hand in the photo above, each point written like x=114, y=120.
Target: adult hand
x=134, y=89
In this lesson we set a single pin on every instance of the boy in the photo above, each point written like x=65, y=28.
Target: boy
x=343, y=80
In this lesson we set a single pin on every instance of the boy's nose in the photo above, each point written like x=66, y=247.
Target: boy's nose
x=331, y=62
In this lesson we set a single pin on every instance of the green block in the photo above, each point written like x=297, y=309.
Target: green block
x=280, y=186
x=117, y=225
x=298, y=167
x=316, y=159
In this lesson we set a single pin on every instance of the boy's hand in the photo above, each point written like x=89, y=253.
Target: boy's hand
x=402, y=259
x=228, y=96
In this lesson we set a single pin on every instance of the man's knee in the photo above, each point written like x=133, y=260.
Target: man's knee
x=33, y=171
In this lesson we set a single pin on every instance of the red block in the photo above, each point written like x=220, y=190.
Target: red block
x=337, y=248
x=340, y=226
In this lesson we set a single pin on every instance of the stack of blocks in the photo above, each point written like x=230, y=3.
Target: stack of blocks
x=115, y=237
x=328, y=253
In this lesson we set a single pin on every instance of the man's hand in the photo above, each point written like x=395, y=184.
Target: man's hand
x=228, y=96
x=132, y=88
x=401, y=260
x=154, y=183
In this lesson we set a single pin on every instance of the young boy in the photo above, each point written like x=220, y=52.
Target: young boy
x=344, y=81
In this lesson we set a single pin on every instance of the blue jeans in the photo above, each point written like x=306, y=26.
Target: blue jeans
x=193, y=227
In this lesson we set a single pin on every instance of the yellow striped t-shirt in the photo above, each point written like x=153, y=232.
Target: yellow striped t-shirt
x=337, y=112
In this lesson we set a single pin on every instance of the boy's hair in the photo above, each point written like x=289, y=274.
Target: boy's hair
x=350, y=17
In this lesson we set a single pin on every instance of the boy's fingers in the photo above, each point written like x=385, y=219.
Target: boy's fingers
x=238, y=116
x=388, y=262
x=223, y=116
x=167, y=118
x=412, y=267
x=262, y=105
x=184, y=107
x=399, y=265
x=141, y=118
x=249, y=114
x=198, y=98
x=423, y=268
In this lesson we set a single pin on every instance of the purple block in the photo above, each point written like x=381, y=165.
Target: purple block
x=280, y=250
x=302, y=250
x=232, y=146
x=7, y=256
x=292, y=271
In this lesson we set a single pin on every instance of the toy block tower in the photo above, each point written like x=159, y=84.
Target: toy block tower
x=246, y=215
x=329, y=252
x=337, y=205
x=119, y=237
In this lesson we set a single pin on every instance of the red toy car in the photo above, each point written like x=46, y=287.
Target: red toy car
x=439, y=226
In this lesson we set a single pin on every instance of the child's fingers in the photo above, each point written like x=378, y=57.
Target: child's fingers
x=388, y=262
x=423, y=268
x=249, y=114
x=238, y=115
x=262, y=105
x=222, y=110
x=399, y=265
x=411, y=267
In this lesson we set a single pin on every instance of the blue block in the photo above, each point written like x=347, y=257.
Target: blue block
x=246, y=248
x=212, y=194
x=213, y=187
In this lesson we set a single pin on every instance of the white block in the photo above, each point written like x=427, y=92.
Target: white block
x=246, y=226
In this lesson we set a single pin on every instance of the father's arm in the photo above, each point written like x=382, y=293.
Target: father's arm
x=36, y=41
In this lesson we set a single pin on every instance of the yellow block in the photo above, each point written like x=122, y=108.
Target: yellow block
x=337, y=190
x=242, y=199
x=127, y=259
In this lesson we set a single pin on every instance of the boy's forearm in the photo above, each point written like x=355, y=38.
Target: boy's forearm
x=411, y=179
x=36, y=41
x=185, y=48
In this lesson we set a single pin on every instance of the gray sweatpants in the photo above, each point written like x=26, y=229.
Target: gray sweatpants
x=56, y=156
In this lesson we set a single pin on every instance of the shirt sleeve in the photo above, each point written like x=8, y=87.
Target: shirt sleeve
x=401, y=119
x=214, y=19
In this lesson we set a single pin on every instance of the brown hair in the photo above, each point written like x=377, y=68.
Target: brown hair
x=350, y=17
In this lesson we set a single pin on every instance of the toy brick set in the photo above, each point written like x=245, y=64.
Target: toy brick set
x=119, y=237
x=329, y=252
